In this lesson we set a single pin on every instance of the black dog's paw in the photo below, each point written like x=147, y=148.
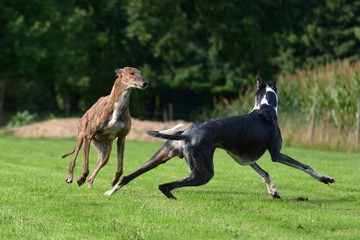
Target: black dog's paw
x=327, y=180
x=275, y=194
x=166, y=191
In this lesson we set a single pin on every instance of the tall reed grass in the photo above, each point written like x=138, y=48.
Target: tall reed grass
x=333, y=91
x=316, y=106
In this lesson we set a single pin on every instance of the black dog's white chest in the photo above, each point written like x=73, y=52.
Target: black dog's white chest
x=245, y=158
x=245, y=153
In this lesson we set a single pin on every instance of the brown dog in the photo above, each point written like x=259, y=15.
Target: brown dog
x=109, y=118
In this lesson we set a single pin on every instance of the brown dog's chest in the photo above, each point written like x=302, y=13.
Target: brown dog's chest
x=114, y=128
x=118, y=120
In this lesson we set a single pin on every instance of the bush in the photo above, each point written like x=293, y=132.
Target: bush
x=21, y=118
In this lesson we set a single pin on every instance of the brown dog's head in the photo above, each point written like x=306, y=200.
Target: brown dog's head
x=131, y=77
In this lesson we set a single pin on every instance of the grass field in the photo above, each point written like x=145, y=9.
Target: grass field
x=36, y=203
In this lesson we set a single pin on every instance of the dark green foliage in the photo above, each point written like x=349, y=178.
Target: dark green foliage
x=43, y=54
x=61, y=56
x=331, y=32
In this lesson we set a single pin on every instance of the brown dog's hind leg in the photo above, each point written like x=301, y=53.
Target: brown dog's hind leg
x=85, y=171
x=70, y=175
x=103, y=150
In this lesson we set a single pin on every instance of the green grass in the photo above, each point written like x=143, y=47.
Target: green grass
x=36, y=203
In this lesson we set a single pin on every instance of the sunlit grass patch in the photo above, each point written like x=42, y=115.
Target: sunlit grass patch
x=36, y=203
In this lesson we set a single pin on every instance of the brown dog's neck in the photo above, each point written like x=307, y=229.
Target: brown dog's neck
x=119, y=97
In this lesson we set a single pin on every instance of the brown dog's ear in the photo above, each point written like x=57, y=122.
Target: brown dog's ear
x=118, y=71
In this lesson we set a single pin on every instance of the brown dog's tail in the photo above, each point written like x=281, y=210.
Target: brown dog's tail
x=76, y=149
x=68, y=153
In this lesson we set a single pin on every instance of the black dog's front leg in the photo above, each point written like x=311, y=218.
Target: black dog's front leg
x=284, y=159
x=267, y=180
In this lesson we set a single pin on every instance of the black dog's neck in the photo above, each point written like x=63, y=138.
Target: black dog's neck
x=268, y=112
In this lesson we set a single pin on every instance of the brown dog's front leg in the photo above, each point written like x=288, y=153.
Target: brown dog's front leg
x=120, y=157
x=163, y=155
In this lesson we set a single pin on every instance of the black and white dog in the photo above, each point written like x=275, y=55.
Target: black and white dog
x=245, y=138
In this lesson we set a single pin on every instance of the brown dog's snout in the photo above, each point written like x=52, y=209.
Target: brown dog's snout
x=145, y=84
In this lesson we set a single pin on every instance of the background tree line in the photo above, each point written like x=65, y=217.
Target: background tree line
x=60, y=56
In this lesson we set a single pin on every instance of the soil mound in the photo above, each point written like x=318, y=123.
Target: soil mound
x=67, y=128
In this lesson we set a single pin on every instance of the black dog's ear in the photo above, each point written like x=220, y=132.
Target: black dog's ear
x=260, y=84
x=273, y=85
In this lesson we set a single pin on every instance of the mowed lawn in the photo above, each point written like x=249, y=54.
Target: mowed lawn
x=36, y=203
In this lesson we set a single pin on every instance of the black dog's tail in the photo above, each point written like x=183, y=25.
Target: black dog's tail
x=170, y=134
x=176, y=137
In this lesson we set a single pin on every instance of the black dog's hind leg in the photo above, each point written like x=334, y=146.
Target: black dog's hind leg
x=164, y=154
x=201, y=167
x=284, y=159
x=267, y=180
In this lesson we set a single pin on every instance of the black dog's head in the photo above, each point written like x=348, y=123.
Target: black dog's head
x=266, y=94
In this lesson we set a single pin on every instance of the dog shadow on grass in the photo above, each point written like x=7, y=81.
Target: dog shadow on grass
x=243, y=195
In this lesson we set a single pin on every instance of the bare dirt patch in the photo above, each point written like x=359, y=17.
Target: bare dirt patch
x=67, y=128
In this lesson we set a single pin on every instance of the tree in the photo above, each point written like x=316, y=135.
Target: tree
x=330, y=31
x=20, y=47
x=209, y=46
x=61, y=55
x=43, y=54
